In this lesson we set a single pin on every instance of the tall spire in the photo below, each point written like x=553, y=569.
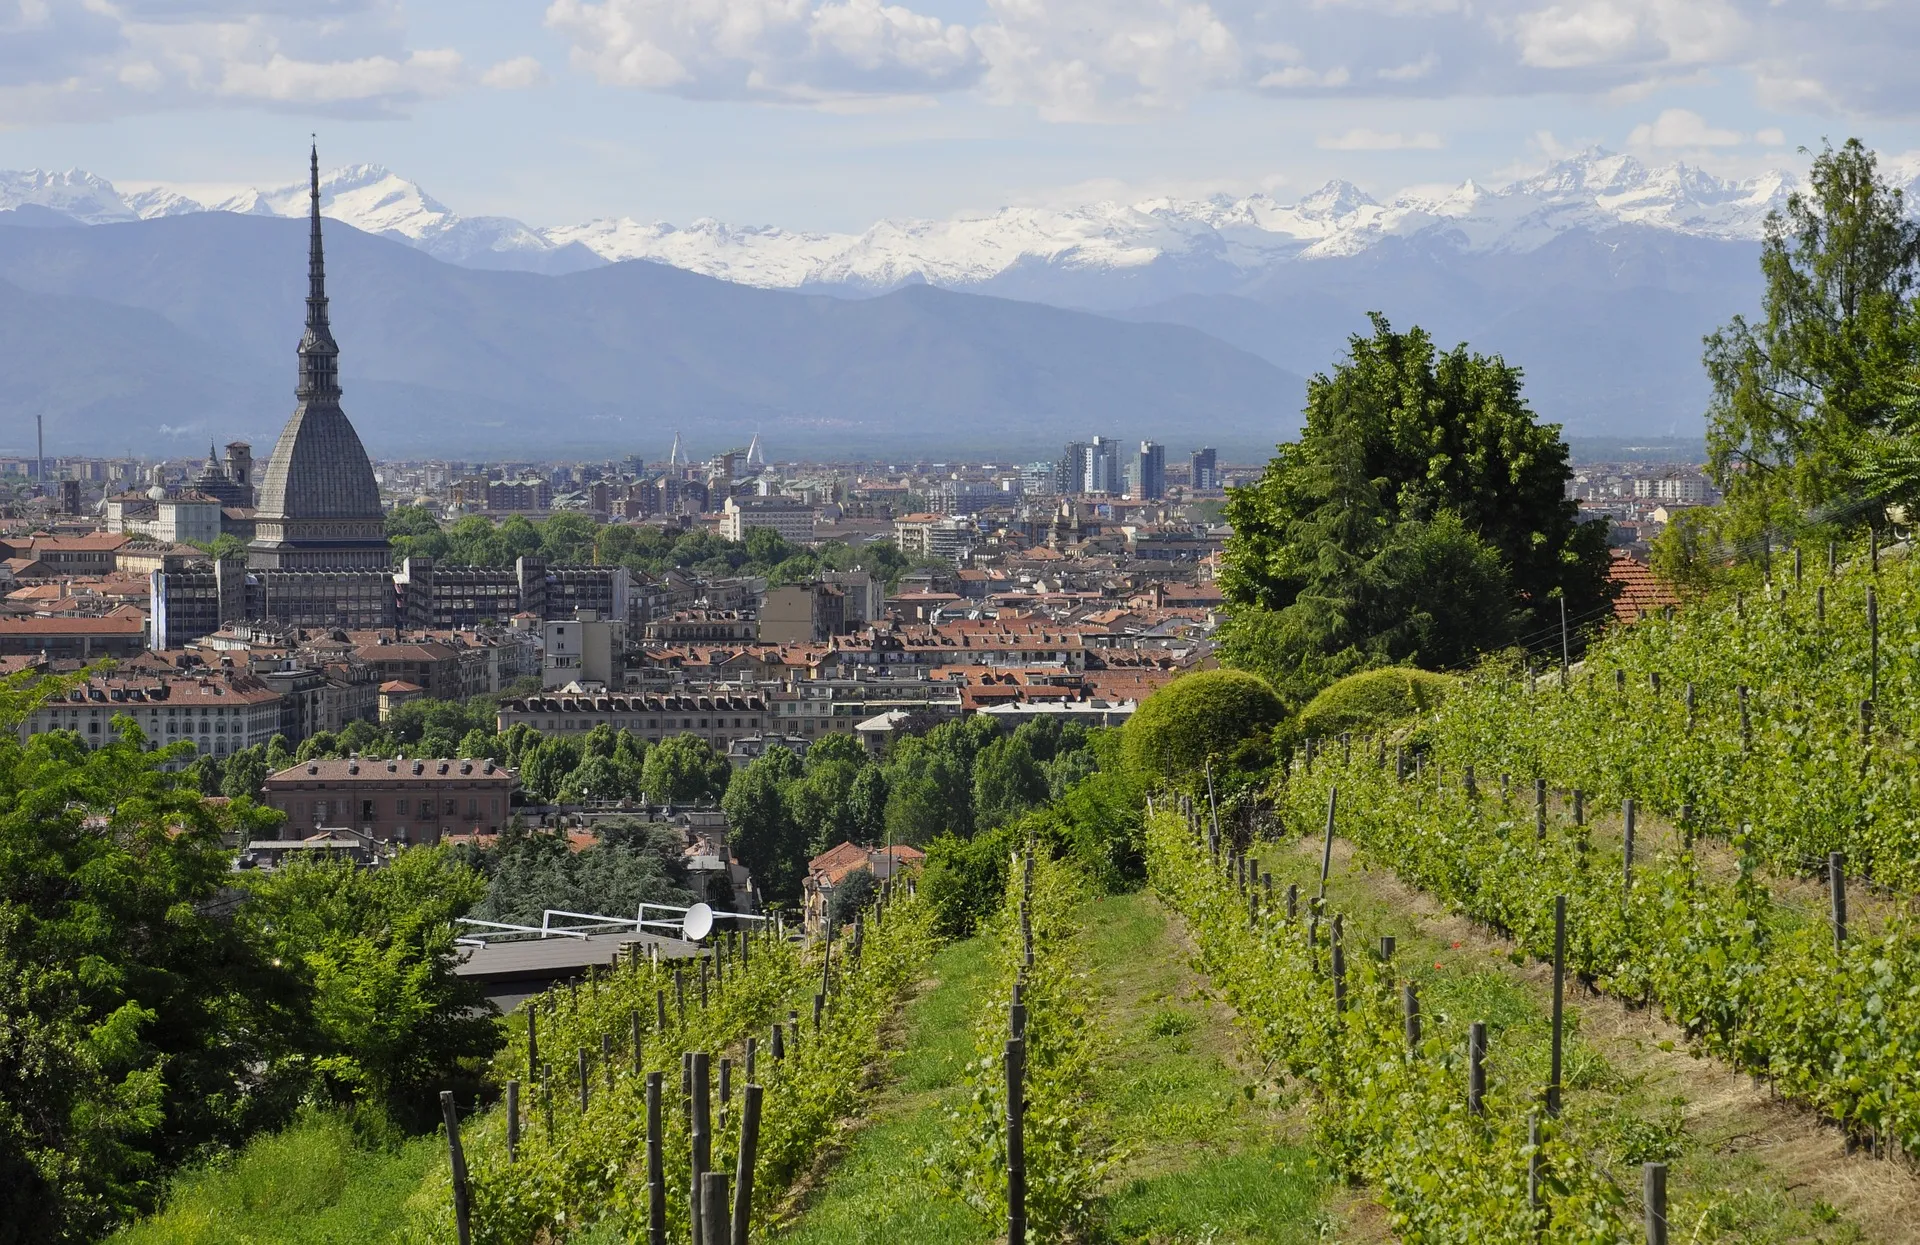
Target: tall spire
x=319, y=356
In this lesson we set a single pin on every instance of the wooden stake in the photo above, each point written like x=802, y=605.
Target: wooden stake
x=1016, y=1142
x=1837, y=883
x=1410, y=1004
x=715, y=1228
x=513, y=1120
x=1655, y=1175
x=743, y=1171
x=1477, y=1067
x=1626, y=854
x=462, y=1209
x=656, y=1166
x=1559, y=1003
x=1326, y=854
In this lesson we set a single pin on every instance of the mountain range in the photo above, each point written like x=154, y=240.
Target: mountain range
x=1598, y=275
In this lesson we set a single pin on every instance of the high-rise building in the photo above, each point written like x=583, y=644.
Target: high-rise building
x=319, y=504
x=1204, y=467
x=1070, y=471
x=1105, y=470
x=1147, y=472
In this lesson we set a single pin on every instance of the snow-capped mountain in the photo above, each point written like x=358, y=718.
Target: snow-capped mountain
x=1222, y=235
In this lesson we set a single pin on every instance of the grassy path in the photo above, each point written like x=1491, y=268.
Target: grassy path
x=875, y=1193
x=1200, y=1159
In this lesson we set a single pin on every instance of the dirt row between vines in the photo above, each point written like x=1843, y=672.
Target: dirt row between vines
x=1734, y=1113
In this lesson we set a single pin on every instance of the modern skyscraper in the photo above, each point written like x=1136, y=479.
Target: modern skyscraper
x=1205, y=469
x=319, y=504
x=1104, y=469
x=1147, y=472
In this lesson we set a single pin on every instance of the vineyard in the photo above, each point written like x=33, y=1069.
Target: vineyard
x=1707, y=821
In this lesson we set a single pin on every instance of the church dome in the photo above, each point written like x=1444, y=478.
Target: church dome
x=319, y=469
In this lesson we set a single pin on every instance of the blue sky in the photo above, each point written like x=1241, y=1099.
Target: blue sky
x=826, y=114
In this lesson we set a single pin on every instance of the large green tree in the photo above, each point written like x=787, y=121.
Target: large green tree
x=766, y=836
x=1801, y=394
x=685, y=769
x=1421, y=516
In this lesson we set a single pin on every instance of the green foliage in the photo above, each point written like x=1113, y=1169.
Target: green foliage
x=965, y=879
x=1420, y=518
x=1373, y=700
x=1007, y=781
x=569, y=537
x=685, y=769
x=1396, y=1122
x=1799, y=394
x=853, y=896
x=528, y=872
x=765, y=834
x=140, y=1024
x=1064, y=1160
x=1197, y=717
x=391, y=1024
x=564, y=1180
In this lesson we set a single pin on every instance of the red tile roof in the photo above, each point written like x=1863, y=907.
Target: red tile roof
x=1642, y=593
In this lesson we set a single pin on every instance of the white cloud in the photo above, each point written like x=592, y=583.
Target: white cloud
x=515, y=75
x=771, y=49
x=1374, y=140
x=87, y=59
x=1682, y=128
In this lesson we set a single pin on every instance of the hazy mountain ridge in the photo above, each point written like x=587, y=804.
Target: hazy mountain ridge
x=165, y=333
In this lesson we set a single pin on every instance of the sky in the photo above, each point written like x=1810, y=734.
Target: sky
x=828, y=114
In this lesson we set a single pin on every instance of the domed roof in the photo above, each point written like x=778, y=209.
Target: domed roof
x=319, y=469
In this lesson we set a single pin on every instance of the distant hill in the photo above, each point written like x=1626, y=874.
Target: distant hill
x=162, y=334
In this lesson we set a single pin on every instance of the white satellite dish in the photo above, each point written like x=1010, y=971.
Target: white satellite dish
x=698, y=922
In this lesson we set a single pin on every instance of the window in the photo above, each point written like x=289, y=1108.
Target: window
x=453, y=807
x=400, y=807
x=366, y=810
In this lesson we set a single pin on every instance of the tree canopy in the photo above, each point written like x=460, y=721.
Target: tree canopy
x=1421, y=516
x=1815, y=388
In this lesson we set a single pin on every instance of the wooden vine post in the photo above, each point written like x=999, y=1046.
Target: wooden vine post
x=743, y=1172
x=1326, y=853
x=1016, y=1142
x=1837, y=882
x=462, y=1206
x=1477, y=1068
x=513, y=1121
x=1559, y=1003
x=656, y=1166
x=1655, y=1195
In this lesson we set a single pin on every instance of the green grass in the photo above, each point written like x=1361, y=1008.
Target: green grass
x=310, y=1184
x=876, y=1193
x=1200, y=1157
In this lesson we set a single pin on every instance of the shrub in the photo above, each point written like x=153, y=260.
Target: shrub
x=1373, y=699
x=1198, y=716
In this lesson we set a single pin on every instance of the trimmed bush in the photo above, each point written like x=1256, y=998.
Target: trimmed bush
x=1374, y=699
x=1201, y=715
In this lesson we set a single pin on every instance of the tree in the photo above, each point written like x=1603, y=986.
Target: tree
x=244, y=773
x=391, y=1023
x=1796, y=393
x=227, y=547
x=1196, y=717
x=141, y=1024
x=1007, y=781
x=547, y=767
x=634, y=862
x=600, y=778
x=765, y=835
x=867, y=805
x=1421, y=516
x=822, y=803
x=854, y=895
x=685, y=769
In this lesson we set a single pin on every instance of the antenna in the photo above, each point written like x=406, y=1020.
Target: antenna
x=698, y=922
